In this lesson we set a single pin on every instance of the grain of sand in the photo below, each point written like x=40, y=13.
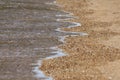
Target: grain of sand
x=92, y=57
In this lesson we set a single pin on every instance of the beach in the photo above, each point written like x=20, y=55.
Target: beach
x=27, y=35
x=94, y=56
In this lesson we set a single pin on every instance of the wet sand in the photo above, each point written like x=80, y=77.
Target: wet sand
x=92, y=57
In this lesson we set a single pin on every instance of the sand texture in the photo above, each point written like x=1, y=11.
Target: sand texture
x=92, y=57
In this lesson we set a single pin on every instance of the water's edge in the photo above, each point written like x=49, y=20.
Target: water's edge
x=59, y=52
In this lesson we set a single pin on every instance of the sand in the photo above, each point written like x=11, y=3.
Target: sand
x=92, y=57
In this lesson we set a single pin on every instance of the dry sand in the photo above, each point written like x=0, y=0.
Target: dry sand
x=93, y=57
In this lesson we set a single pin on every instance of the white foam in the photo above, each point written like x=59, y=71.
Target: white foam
x=53, y=3
x=65, y=15
x=68, y=17
x=62, y=38
x=58, y=53
x=50, y=3
x=77, y=33
x=53, y=48
x=38, y=73
x=75, y=24
x=63, y=20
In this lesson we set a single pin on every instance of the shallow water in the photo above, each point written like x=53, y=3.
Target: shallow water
x=27, y=33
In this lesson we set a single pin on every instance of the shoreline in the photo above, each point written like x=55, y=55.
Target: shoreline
x=89, y=56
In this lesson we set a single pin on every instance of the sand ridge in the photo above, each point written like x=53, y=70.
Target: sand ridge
x=89, y=55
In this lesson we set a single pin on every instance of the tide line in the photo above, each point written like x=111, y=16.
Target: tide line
x=57, y=51
x=39, y=73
